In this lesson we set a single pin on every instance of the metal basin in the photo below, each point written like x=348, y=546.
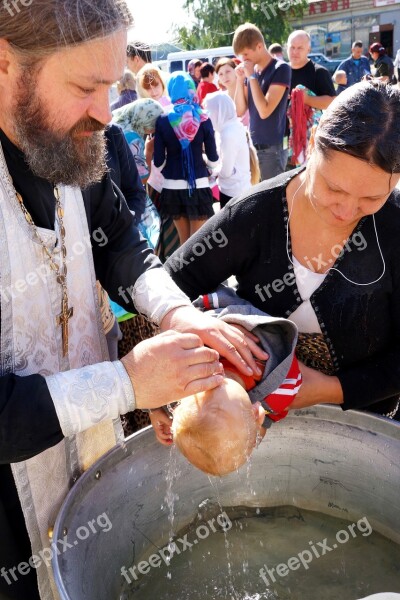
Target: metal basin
x=342, y=464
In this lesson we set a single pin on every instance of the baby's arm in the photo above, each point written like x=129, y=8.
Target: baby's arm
x=161, y=423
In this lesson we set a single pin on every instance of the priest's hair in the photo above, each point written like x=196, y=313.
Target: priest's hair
x=46, y=26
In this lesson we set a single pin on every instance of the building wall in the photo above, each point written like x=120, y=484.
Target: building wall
x=334, y=24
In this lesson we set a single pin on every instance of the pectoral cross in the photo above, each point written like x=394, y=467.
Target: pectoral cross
x=62, y=319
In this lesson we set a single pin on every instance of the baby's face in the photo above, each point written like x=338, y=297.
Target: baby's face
x=217, y=430
x=240, y=409
x=240, y=402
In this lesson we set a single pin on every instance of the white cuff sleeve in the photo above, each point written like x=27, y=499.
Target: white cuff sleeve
x=212, y=164
x=155, y=294
x=87, y=396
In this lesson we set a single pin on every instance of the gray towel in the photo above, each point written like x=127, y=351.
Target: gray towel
x=277, y=336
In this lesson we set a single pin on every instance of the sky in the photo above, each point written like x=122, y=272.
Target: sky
x=154, y=19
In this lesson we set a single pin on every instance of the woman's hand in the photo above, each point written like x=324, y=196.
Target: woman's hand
x=238, y=347
x=162, y=426
x=317, y=388
x=246, y=332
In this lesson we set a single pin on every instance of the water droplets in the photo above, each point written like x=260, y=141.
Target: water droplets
x=170, y=498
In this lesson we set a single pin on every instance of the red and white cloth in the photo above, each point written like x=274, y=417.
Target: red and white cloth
x=276, y=404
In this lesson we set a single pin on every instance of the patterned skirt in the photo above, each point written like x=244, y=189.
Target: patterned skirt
x=134, y=331
x=169, y=239
x=313, y=351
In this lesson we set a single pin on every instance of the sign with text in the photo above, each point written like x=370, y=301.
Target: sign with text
x=331, y=6
x=385, y=2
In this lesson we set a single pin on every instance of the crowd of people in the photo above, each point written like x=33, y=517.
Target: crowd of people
x=314, y=249
x=277, y=106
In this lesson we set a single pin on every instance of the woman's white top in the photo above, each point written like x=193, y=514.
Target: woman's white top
x=307, y=282
x=234, y=175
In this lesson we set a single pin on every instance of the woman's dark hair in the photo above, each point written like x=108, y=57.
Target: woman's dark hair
x=140, y=49
x=206, y=69
x=364, y=122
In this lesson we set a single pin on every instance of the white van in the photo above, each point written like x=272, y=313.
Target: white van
x=161, y=64
x=178, y=61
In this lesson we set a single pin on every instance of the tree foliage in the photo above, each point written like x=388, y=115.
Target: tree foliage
x=216, y=20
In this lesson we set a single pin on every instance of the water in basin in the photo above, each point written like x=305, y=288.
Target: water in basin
x=278, y=553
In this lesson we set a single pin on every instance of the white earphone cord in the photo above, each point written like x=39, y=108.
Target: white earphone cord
x=334, y=268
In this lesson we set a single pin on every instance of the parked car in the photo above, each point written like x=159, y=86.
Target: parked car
x=329, y=63
x=178, y=61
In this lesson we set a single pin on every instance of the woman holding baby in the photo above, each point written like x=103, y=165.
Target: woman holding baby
x=320, y=246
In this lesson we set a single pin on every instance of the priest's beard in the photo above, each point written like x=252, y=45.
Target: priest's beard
x=60, y=157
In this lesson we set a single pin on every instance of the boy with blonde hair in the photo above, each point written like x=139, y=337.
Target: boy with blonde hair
x=262, y=86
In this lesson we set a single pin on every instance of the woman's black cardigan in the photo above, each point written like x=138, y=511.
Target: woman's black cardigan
x=361, y=324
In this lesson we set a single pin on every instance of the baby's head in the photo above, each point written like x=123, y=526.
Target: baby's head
x=216, y=430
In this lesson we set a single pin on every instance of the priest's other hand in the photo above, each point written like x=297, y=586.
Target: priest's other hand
x=235, y=344
x=169, y=367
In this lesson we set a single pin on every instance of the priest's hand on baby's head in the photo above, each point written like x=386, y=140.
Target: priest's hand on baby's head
x=177, y=364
